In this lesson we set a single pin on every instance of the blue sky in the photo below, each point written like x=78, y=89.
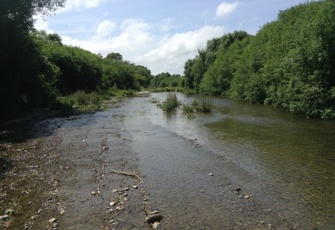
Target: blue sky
x=159, y=34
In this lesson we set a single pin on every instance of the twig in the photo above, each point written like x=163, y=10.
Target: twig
x=126, y=174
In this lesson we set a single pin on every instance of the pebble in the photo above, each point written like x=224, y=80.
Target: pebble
x=135, y=187
x=52, y=220
x=111, y=203
x=93, y=193
x=115, y=190
x=4, y=217
x=247, y=196
x=62, y=212
x=211, y=174
x=118, y=208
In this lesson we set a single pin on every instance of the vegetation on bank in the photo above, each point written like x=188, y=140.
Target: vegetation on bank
x=290, y=62
x=39, y=72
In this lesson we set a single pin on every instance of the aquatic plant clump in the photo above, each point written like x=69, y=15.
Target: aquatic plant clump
x=171, y=103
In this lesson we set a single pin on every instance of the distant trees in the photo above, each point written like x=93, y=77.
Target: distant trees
x=290, y=62
x=166, y=80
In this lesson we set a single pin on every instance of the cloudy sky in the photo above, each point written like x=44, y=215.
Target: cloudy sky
x=159, y=34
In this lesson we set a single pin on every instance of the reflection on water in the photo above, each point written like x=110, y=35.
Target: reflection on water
x=286, y=162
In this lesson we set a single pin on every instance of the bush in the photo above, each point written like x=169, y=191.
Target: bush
x=171, y=103
x=205, y=105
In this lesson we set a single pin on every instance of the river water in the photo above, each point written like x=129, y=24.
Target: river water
x=240, y=167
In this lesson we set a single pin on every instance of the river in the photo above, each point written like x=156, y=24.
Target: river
x=242, y=166
x=283, y=164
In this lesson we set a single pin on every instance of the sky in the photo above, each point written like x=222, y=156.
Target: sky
x=158, y=34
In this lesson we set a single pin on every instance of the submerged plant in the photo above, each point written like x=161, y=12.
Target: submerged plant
x=205, y=105
x=188, y=110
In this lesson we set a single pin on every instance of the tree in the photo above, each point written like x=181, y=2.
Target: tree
x=114, y=56
x=18, y=53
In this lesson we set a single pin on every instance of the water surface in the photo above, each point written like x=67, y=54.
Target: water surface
x=284, y=165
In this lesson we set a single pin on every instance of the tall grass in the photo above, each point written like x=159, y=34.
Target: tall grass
x=171, y=103
x=205, y=105
x=82, y=101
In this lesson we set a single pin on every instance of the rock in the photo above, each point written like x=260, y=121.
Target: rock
x=153, y=218
x=52, y=220
x=93, y=193
x=211, y=174
x=238, y=189
x=115, y=190
x=118, y=208
x=153, y=212
x=155, y=225
x=247, y=196
x=111, y=203
x=4, y=217
x=125, y=189
x=62, y=211
x=135, y=187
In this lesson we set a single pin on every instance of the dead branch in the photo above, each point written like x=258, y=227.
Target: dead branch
x=126, y=174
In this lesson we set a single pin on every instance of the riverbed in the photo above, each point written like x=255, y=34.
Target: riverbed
x=241, y=166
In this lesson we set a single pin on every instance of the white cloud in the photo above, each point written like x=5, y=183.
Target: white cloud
x=166, y=25
x=41, y=24
x=131, y=37
x=78, y=4
x=174, y=51
x=105, y=28
x=226, y=8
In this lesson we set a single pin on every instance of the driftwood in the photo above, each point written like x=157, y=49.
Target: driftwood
x=126, y=174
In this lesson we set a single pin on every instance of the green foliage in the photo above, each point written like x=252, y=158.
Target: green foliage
x=171, y=103
x=188, y=110
x=166, y=81
x=26, y=76
x=82, y=101
x=205, y=105
x=289, y=63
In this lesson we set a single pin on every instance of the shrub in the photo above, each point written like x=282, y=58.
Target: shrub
x=171, y=103
x=205, y=106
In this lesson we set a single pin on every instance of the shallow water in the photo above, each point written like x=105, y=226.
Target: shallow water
x=283, y=164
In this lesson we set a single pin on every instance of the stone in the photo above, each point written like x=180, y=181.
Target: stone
x=93, y=193
x=111, y=203
x=52, y=220
x=154, y=218
x=135, y=187
x=211, y=174
x=4, y=217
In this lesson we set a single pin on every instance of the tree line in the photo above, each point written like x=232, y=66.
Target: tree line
x=37, y=69
x=290, y=62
